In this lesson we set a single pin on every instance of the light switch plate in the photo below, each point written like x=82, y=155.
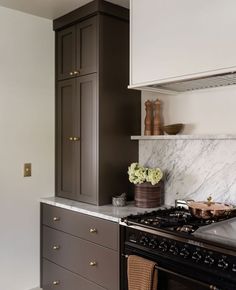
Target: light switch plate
x=27, y=170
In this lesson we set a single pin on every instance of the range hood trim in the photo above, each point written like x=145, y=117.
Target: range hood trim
x=161, y=86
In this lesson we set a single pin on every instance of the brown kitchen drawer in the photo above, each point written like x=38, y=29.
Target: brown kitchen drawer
x=91, y=261
x=55, y=277
x=93, y=229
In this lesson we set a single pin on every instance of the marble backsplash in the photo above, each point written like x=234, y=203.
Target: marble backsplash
x=194, y=169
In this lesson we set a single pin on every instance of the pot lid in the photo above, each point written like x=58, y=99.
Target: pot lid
x=204, y=205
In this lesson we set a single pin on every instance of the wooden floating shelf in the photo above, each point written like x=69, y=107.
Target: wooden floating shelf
x=186, y=137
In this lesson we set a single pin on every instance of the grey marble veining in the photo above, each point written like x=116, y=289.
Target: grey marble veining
x=108, y=212
x=194, y=169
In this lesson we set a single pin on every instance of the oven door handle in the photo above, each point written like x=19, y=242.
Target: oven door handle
x=211, y=287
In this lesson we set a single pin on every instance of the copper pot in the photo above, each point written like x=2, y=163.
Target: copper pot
x=209, y=209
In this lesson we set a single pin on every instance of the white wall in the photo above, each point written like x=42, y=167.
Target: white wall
x=27, y=135
x=210, y=111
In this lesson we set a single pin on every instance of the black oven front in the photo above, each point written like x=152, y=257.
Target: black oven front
x=175, y=272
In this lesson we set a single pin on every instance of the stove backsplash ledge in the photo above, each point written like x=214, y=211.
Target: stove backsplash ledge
x=194, y=169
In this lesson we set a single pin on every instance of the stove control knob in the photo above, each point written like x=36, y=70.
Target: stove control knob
x=144, y=241
x=163, y=246
x=209, y=260
x=223, y=264
x=153, y=243
x=174, y=250
x=234, y=268
x=184, y=253
x=196, y=256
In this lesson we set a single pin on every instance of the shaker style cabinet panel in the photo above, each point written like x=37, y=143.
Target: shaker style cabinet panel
x=67, y=156
x=87, y=128
x=86, y=46
x=77, y=50
x=77, y=139
x=66, y=53
x=172, y=39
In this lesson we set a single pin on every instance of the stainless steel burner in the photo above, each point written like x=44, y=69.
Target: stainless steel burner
x=185, y=229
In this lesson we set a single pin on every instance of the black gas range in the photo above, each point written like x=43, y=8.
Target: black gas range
x=184, y=259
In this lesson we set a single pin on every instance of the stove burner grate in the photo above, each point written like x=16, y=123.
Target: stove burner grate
x=174, y=219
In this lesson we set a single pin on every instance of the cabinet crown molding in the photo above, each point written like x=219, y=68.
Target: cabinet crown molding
x=93, y=8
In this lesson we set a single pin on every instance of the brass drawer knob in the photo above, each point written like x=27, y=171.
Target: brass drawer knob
x=71, y=73
x=76, y=139
x=76, y=72
x=56, y=282
x=55, y=247
x=93, y=263
x=56, y=219
x=71, y=138
x=93, y=231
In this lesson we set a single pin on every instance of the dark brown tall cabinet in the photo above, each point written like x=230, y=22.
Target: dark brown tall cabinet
x=95, y=112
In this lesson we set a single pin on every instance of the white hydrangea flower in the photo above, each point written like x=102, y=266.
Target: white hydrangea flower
x=154, y=175
x=139, y=174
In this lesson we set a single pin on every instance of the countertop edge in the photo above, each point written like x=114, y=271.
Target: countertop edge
x=106, y=212
x=81, y=210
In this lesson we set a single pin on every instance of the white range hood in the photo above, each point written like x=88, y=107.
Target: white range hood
x=179, y=46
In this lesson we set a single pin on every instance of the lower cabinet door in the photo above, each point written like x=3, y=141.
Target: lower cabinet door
x=55, y=277
x=91, y=261
x=83, y=226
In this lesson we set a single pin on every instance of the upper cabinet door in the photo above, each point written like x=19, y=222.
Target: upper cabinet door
x=86, y=44
x=77, y=50
x=66, y=53
x=172, y=38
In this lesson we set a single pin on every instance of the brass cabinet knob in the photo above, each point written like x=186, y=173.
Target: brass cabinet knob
x=76, y=139
x=71, y=73
x=56, y=219
x=93, y=263
x=92, y=231
x=56, y=282
x=55, y=247
x=76, y=72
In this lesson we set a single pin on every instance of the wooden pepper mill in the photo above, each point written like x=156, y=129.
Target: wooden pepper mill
x=157, y=124
x=148, y=118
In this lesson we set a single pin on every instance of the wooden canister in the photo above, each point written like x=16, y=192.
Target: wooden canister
x=147, y=195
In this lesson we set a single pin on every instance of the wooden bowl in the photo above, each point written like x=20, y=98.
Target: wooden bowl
x=173, y=129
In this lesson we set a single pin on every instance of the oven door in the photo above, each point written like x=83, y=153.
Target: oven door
x=167, y=279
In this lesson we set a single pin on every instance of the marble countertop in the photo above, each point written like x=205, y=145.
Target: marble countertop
x=108, y=212
x=186, y=137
